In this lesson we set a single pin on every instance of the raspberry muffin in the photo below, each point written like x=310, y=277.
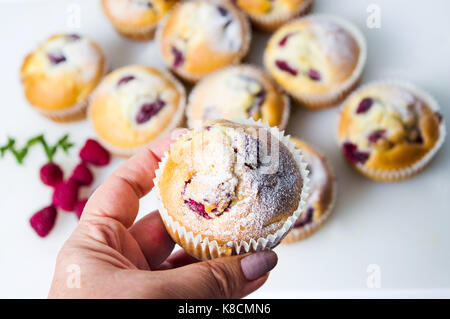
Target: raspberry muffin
x=390, y=130
x=135, y=105
x=225, y=190
x=317, y=59
x=269, y=15
x=237, y=92
x=136, y=19
x=60, y=75
x=199, y=37
x=322, y=194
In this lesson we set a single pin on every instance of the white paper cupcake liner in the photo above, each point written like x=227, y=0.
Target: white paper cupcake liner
x=141, y=34
x=271, y=23
x=177, y=121
x=336, y=95
x=249, y=69
x=76, y=112
x=193, y=78
x=414, y=169
x=202, y=247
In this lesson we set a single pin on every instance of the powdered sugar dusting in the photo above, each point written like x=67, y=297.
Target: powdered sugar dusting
x=230, y=178
x=204, y=20
x=335, y=41
x=80, y=56
x=127, y=9
x=403, y=102
x=142, y=87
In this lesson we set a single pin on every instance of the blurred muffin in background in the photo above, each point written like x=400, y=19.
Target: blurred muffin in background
x=60, y=75
x=317, y=59
x=390, y=130
x=136, y=19
x=236, y=92
x=269, y=15
x=199, y=37
x=322, y=194
x=135, y=105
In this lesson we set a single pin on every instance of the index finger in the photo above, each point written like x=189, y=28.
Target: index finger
x=118, y=197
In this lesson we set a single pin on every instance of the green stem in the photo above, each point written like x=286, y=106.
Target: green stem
x=50, y=151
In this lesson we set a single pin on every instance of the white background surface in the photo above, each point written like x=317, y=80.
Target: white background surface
x=402, y=228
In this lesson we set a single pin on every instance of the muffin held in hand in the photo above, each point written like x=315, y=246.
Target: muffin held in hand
x=199, y=37
x=317, y=59
x=390, y=130
x=136, y=19
x=60, y=75
x=135, y=105
x=322, y=194
x=231, y=188
x=269, y=15
x=238, y=92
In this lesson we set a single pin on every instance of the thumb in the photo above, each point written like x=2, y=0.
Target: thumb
x=227, y=277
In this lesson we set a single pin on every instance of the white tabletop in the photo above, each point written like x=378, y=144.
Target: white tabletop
x=396, y=234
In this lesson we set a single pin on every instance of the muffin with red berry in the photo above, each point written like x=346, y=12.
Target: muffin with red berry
x=269, y=15
x=317, y=59
x=60, y=75
x=133, y=106
x=322, y=194
x=390, y=130
x=237, y=92
x=231, y=188
x=136, y=19
x=199, y=37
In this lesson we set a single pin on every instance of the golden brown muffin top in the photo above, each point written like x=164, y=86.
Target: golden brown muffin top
x=199, y=37
x=221, y=182
x=62, y=72
x=314, y=55
x=134, y=105
x=137, y=13
x=388, y=126
x=238, y=92
x=272, y=8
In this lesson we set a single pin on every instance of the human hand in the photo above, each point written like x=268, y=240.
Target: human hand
x=119, y=259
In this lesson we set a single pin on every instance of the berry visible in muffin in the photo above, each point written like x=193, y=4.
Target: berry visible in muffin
x=235, y=93
x=389, y=131
x=199, y=37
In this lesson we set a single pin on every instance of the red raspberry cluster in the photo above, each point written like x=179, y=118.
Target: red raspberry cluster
x=66, y=192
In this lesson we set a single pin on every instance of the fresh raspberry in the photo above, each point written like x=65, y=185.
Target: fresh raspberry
x=51, y=174
x=79, y=207
x=44, y=220
x=65, y=195
x=92, y=152
x=82, y=175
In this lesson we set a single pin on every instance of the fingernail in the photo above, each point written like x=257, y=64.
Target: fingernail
x=258, y=264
